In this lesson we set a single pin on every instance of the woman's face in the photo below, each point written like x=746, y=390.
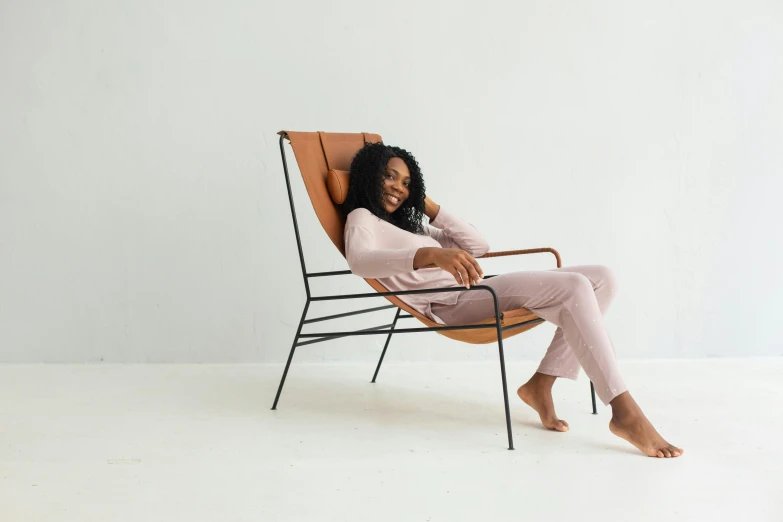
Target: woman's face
x=396, y=182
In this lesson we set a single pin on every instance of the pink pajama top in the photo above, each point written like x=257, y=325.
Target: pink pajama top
x=376, y=249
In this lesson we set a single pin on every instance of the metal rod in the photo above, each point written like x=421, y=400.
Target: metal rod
x=385, y=346
x=293, y=215
x=337, y=335
x=291, y=355
x=592, y=394
x=402, y=330
x=323, y=274
x=346, y=314
x=503, y=370
x=400, y=292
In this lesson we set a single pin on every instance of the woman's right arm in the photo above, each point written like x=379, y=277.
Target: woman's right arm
x=365, y=260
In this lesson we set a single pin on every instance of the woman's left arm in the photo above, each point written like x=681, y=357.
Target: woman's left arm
x=452, y=232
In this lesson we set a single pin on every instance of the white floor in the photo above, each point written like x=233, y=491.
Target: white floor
x=114, y=443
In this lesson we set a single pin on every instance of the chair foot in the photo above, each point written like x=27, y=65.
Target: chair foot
x=385, y=346
x=505, y=388
x=291, y=354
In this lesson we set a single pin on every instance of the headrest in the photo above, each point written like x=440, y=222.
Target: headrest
x=337, y=184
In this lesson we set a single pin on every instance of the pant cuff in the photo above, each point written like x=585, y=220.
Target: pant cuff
x=612, y=395
x=559, y=374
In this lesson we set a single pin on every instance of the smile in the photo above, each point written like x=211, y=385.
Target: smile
x=394, y=200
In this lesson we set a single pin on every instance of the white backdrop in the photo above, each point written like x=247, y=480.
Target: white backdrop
x=143, y=212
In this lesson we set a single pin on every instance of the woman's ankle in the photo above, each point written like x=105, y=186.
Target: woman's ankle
x=624, y=407
x=542, y=380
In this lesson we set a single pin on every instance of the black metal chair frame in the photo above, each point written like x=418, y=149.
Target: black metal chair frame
x=388, y=329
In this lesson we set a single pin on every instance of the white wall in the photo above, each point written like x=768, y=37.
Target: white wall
x=142, y=203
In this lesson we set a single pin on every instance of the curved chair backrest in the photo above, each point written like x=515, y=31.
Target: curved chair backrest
x=316, y=154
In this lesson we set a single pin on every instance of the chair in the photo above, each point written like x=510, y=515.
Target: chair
x=324, y=160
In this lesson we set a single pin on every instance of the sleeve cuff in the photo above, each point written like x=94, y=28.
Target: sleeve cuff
x=409, y=261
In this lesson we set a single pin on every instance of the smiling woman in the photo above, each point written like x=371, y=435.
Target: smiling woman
x=396, y=180
x=387, y=181
x=385, y=239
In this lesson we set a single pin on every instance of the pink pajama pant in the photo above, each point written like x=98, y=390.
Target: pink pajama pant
x=574, y=299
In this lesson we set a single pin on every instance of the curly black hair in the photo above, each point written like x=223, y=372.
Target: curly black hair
x=365, y=189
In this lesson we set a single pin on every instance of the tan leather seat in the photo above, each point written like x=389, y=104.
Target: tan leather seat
x=324, y=160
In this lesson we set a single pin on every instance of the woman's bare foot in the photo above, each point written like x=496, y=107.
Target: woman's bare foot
x=537, y=393
x=629, y=423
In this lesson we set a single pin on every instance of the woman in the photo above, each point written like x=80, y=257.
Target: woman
x=385, y=239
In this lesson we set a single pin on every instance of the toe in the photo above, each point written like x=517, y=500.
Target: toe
x=666, y=452
x=561, y=426
x=659, y=454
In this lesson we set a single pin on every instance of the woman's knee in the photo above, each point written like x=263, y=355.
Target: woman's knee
x=607, y=277
x=578, y=283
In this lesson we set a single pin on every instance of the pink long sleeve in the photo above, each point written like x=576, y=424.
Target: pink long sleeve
x=367, y=258
x=377, y=249
x=452, y=232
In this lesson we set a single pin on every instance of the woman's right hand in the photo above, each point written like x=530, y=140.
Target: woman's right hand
x=458, y=263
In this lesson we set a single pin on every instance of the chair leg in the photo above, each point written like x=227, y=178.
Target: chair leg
x=385, y=346
x=592, y=394
x=291, y=355
x=505, y=388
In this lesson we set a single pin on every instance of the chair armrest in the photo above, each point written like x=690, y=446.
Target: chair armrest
x=527, y=251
